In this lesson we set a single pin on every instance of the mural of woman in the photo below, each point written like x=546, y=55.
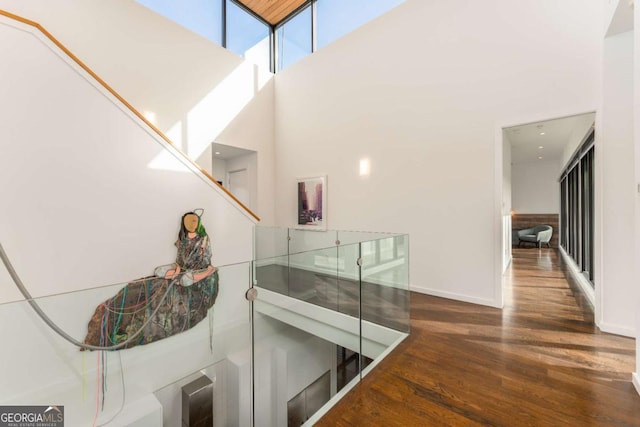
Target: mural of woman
x=175, y=299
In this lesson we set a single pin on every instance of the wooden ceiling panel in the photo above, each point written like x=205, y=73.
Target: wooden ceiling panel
x=273, y=11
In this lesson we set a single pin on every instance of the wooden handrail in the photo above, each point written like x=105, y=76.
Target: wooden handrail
x=125, y=103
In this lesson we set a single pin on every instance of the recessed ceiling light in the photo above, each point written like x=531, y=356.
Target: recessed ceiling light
x=539, y=157
x=217, y=153
x=541, y=133
x=540, y=147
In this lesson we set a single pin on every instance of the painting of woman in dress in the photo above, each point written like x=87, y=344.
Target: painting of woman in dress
x=177, y=297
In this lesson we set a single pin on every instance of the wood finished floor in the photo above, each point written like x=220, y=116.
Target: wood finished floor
x=538, y=362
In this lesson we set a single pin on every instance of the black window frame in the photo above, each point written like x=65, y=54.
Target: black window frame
x=577, y=207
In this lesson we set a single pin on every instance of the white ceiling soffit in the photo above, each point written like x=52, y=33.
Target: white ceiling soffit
x=227, y=152
x=552, y=135
x=622, y=20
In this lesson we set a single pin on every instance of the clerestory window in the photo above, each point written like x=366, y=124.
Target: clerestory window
x=233, y=24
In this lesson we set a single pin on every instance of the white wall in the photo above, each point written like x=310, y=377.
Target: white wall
x=92, y=197
x=287, y=361
x=421, y=100
x=139, y=53
x=582, y=126
x=507, y=234
x=535, y=188
x=61, y=201
x=636, y=123
x=616, y=292
x=254, y=129
x=195, y=88
x=507, y=175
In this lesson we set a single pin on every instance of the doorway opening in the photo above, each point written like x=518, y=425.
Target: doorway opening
x=235, y=169
x=548, y=180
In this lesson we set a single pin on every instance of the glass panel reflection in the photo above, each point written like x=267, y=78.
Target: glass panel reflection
x=385, y=282
x=247, y=36
x=312, y=277
x=322, y=318
x=294, y=39
x=307, y=240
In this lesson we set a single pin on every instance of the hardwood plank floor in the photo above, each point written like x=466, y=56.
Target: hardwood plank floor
x=538, y=362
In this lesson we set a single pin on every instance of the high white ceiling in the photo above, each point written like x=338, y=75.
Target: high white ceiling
x=552, y=135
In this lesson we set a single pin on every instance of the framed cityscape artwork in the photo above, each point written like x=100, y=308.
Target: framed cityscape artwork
x=312, y=203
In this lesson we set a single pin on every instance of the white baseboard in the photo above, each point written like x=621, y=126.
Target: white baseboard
x=457, y=297
x=589, y=292
x=635, y=379
x=584, y=284
x=617, y=330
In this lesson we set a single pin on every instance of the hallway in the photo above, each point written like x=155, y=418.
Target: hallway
x=539, y=362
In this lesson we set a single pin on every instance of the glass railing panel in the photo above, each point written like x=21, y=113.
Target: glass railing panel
x=377, y=245
x=309, y=240
x=350, y=360
x=385, y=295
x=271, y=258
x=351, y=237
x=385, y=282
x=98, y=387
x=272, y=274
x=306, y=344
x=270, y=242
x=348, y=296
x=313, y=277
